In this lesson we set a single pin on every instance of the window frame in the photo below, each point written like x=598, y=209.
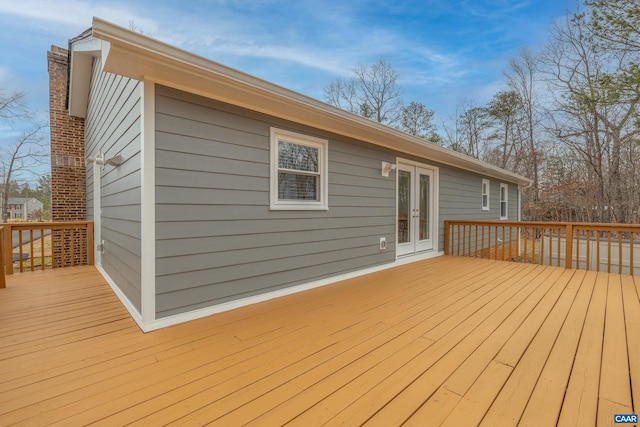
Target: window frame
x=505, y=201
x=322, y=203
x=486, y=207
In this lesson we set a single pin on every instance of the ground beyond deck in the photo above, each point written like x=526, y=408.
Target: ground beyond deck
x=451, y=341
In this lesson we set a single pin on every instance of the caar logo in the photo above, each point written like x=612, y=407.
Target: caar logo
x=625, y=418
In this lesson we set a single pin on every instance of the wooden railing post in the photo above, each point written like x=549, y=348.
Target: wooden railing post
x=3, y=277
x=91, y=246
x=447, y=236
x=8, y=248
x=569, y=246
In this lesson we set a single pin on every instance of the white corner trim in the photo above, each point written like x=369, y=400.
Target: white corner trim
x=208, y=311
x=133, y=312
x=148, y=203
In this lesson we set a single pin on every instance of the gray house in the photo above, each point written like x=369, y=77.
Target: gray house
x=23, y=207
x=211, y=189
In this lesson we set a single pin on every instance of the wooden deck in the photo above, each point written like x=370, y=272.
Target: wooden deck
x=451, y=341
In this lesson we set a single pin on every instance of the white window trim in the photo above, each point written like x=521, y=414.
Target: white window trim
x=506, y=200
x=323, y=166
x=488, y=194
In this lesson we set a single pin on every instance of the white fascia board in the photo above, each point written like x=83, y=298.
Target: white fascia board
x=139, y=57
x=82, y=54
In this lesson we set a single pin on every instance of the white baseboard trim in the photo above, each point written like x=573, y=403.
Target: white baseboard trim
x=135, y=315
x=219, y=308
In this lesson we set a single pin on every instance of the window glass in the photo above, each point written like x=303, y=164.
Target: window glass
x=298, y=171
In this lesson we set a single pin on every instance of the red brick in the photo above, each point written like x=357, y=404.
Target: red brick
x=68, y=170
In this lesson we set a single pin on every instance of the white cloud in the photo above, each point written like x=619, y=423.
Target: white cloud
x=5, y=73
x=75, y=13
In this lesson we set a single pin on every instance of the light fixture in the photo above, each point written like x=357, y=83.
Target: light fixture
x=114, y=161
x=387, y=167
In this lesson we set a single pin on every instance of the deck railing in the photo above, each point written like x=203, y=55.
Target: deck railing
x=614, y=248
x=30, y=246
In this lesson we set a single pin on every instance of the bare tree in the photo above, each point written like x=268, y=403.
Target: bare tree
x=591, y=114
x=522, y=79
x=417, y=120
x=372, y=93
x=27, y=152
x=471, y=130
x=12, y=106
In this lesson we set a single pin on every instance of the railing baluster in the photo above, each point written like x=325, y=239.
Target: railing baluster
x=609, y=252
x=475, y=243
x=533, y=244
x=569, y=247
x=541, y=258
x=598, y=249
x=619, y=252
x=31, y=257
x=550, y=246
x=20, y=250
x=577, y=233
x=72, y=231
x=62, y=251
x=42, y=243
x=502, y=244
x=588, y=233
x=559, y=231
x=631, y=253
x=82, y=243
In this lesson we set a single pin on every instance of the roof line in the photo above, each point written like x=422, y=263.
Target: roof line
x=163, y=63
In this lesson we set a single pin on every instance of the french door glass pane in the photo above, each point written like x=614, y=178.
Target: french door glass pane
x=424, y=207
x=404, y=206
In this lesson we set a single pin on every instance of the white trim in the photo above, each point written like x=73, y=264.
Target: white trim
x=208, y=311
x=83, y=52
x=519, y=193
x=435, y=228
x=97, y=208
x=147, y=204
x=322, y=145
x=133, y=312
x=136, y=56
x=506, y=200
x=488, y=194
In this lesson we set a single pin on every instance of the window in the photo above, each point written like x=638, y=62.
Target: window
x=486, y=185
x=504, y=201
x=298, y=171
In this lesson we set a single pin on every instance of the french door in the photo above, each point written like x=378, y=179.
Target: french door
x=415, y=201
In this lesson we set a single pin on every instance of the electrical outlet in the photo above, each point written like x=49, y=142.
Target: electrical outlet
x=383, y=243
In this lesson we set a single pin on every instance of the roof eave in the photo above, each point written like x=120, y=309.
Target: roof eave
x=139, y=57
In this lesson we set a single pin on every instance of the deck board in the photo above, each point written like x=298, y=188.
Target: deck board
x=451, y=341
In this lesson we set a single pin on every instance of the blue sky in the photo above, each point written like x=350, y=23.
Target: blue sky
x=443, y=50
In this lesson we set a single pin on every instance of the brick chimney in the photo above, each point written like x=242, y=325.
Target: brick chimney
x=68, y=171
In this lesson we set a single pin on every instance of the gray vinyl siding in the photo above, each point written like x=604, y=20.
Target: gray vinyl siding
x=461, y=198
x=113, y=125
x=217, y=240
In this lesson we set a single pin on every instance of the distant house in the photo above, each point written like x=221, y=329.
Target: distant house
x=211, y=189
x=23, y=207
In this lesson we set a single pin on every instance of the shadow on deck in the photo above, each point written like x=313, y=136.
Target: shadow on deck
x=452, y=341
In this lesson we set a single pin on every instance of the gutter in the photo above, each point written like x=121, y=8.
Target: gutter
x=139, y=57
